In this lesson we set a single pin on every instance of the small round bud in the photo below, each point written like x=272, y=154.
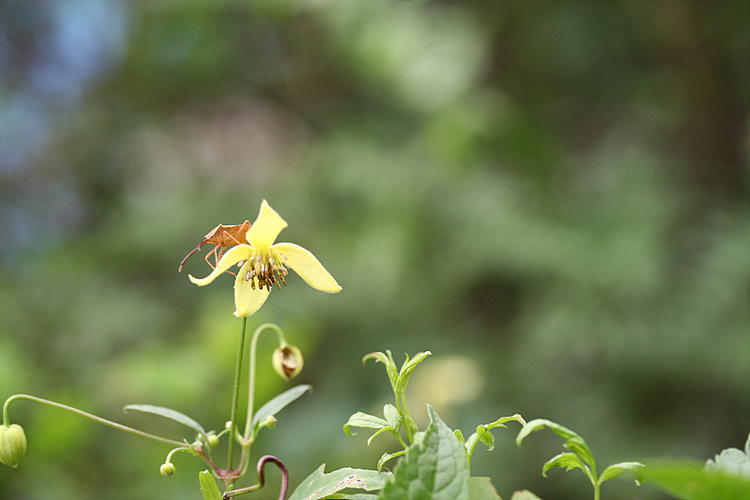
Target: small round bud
x=12, y=444
x=167, y=469
x=212, y=439
x=288, y=361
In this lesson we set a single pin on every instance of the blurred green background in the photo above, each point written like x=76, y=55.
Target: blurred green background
x=553, y=197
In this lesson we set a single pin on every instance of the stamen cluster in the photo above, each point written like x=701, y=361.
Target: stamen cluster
x=266, y=271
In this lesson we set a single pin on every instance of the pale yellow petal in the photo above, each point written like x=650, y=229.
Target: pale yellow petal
x=246, y=299
x=266, y=227
x=304, y=263
x=232, y=257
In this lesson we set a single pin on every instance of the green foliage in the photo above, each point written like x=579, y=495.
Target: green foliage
x=434, y=469
x=170, y=414
x=725, y=477
x=321, y=485
x=580, y=456
x=208, y=486
x=278, y=403
x=692, y=481
x=509, y=180
x=481, y=488
x=484, y=435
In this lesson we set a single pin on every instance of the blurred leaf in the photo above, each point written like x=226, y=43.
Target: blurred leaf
x=481, y=488
x=691, y=481
x=170, y=414
x=524, y=495
x=278, y=403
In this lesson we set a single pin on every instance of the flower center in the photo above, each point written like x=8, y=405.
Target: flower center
x=266, y=269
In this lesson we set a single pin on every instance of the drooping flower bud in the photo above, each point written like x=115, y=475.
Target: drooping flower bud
x=288, y=361
x=167, y=469
x=12, y=444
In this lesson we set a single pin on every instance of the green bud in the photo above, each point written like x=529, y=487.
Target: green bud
x=212, y=439
x=288, y=361
x=12, y=444
x=167, y=469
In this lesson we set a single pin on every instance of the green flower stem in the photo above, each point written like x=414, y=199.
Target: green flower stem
x=251, y=384
x=246, y=440
x=90, y=416
x=236, y=392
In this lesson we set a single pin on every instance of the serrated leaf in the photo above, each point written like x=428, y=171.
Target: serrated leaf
x=364, y=421
x=565, y=461
x=280, y=402
x=320, y=485
x=434, y=469
x=170, y=414
x=524, y=495
x=615, y=470
x=481, y=488
x=208, y=486
x=690, y=481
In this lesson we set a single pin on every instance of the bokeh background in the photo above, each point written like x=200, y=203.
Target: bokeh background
x=553, y=197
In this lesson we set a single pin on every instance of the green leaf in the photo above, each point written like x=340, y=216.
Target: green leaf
x=481, y=488
x=540, y=423
x=434, y=469
x=691, y=481
x=280, y=402
x=392, y=416
x=578, y=446
x=565, y=461
x=320, y=485
x=615, y=470
x=573, y=441
x=389, y=456
x=459, y=435
x=483, y=435
x=208, y=486
x=407, y=369
x=168, y=413
x=387, y=360
x=364, y=421
x=524, y=495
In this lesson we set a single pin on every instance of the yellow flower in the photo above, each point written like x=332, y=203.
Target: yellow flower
x=266, y=263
